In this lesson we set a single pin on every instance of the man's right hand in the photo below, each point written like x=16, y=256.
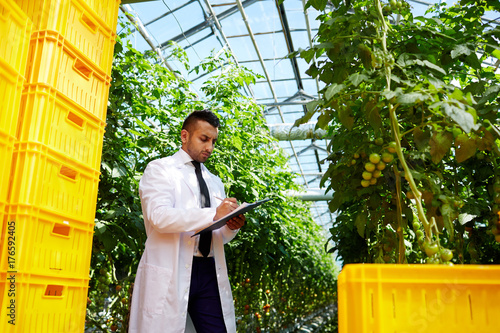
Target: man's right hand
x=226, y=207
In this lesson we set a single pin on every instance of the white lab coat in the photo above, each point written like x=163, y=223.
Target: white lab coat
x=169, y=194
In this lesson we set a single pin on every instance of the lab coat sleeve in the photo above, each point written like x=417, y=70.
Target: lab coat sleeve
x=157, y=191
x=228, y=234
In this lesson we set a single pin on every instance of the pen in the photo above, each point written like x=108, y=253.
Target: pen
x=216, y=197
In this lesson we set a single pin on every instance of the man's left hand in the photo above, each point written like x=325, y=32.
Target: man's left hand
x=236, y=222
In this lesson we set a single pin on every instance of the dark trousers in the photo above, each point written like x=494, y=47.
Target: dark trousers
x=204, y=306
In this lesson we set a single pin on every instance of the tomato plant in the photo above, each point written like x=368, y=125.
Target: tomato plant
x=417, y=91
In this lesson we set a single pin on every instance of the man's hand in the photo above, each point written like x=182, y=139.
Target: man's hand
x=226, y=207
x=236, y=222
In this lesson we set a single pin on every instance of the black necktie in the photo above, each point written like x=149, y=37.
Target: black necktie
x=206, y=237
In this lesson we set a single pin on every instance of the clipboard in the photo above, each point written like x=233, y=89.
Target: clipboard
x=242, y=209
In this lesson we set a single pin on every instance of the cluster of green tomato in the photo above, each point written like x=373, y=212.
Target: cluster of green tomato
x=395, y=6
x=435, y=253
x=375, y=164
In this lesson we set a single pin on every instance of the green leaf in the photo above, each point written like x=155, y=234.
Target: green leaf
x=100, y=227
x=345, y=117
x=373, y=115
x=311, y=106
x=324, y=119
x=360, y=223
x=456, y=111
x=332, y=90
x=490, y=94
x=433, y=66
x=412, y=97
x=449, y=215
x=236, y=140
x=461, y=49
x=319, y=5
x=357, y=78
x=336, y=201
x=308, y=54
x=421, y=138
x=466, y=147
x=496, y=53
x=310, y=112
x=365, y=53
x=119, y=171
x=440, y=145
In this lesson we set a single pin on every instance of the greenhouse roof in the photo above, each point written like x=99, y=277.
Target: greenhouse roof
x=260, y=34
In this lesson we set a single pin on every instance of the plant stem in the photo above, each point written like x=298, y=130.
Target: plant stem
x=396, y=134
x=399, y=230
x=407, y=172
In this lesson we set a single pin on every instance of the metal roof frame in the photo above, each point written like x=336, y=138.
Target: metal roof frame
x=284, y=96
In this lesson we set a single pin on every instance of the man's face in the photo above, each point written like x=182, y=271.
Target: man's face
x=199, y=142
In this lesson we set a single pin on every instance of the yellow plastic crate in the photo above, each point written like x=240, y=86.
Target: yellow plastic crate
x=47, y=244
x=54, y=62
x=48, y=180
x=106, y=10
x=418, y=298
x=44, y=11
x=11, y=86
x=3, y=224
x=79, y=25
x=6, y=153
x=42, y=304
x=50, y=118
x=15, y=32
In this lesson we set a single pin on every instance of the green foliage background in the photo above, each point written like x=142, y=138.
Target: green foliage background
x=416, y=88
x=277, y=264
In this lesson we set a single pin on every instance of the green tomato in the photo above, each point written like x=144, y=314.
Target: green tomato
x=369, y=166
x=367, y=175
x=365, y=183
x=392, y=147
x=446, y=255
x=387, y=157
x=374, y=158
x=431, y=249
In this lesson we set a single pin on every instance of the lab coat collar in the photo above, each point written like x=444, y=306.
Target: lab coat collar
x=183, y=163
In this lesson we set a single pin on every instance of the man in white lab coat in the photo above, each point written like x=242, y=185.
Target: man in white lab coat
x=175, y=283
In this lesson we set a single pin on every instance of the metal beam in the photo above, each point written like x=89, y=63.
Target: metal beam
x=125, y=2
x=268, y=78
x=206, y=24
x=299, y=97
x=214, y=17
x=289, y=43
x=286, y=103
x=169, y=12
x=136, y=21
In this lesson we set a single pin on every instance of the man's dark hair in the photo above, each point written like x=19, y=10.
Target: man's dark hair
x=205, y=115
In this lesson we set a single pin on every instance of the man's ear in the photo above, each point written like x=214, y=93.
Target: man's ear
x=184, y=136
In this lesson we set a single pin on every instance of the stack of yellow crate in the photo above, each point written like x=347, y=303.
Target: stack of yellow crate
x=15, y=32
x=55, y=149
